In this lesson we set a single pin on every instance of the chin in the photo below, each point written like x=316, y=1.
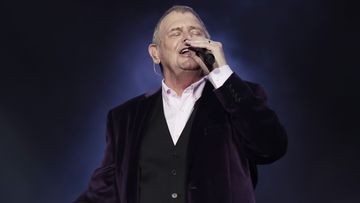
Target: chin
x=190, y=66
x=197, y=68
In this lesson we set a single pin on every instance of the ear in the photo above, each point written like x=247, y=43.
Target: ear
x=154, y=53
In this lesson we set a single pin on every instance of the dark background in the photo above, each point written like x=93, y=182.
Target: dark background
x=65, y=64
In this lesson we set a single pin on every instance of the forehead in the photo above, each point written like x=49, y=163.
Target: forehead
x=179, y=19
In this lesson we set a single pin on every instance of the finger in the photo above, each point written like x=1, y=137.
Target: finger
x=201, y=43
x=214, y=47
x=202, y=40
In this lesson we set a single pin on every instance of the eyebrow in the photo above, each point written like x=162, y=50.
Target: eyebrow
x=195, y=28
x=175, y=29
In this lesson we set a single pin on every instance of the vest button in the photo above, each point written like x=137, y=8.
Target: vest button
x=173, y=172
x=175, y=155
x=174, y=195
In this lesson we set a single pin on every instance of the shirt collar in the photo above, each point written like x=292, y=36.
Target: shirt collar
x=195, y=89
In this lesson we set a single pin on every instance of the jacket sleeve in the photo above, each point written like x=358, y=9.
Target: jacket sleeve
x=102, y=187
x=257, y=127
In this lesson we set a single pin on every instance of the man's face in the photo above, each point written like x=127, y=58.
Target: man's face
x=174, y=30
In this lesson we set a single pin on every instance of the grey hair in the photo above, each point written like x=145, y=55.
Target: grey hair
x=181, y=9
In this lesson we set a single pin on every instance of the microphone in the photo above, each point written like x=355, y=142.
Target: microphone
x=206, y=56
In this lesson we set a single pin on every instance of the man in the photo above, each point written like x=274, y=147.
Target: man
x=196, y=140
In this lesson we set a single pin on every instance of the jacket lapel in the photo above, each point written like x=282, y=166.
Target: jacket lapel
x=140, y=120
x=203, y=118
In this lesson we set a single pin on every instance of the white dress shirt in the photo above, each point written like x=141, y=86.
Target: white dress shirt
x=177, y=109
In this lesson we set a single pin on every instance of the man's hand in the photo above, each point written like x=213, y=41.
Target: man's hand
x=214, y=47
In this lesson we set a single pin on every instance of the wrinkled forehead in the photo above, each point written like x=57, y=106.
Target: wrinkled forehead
x=179, y=19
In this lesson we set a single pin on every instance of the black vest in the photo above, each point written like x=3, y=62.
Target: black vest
x=162, y=165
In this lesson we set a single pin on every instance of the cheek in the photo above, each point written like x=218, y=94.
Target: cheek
x=171, y=44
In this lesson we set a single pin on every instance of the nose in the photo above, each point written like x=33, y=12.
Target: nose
x=186, y=36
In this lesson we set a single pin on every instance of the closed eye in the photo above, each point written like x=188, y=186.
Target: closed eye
x=196, y=32
x=174, y=33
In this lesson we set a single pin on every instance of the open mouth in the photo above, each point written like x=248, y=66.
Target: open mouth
x=184, y=50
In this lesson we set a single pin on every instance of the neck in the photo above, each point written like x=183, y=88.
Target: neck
x=180, y=82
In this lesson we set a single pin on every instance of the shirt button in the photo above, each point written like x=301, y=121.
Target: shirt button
x=173, y=172
x=174, y=195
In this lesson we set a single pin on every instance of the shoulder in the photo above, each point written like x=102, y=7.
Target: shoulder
x=131, y=105
x=257, y=90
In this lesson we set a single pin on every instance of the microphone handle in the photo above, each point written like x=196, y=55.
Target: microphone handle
x=206, y=56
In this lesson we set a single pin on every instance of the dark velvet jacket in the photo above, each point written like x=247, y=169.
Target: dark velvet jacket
x=233, y=130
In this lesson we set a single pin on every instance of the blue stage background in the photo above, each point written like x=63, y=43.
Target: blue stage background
x=65, y=64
